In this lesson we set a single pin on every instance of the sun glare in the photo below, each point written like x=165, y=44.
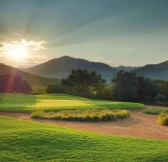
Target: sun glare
x=20, y=50
x=17, y=52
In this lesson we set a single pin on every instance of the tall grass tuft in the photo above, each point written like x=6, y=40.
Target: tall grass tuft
x=163, y=119
x=38, y=114
x=83, y=115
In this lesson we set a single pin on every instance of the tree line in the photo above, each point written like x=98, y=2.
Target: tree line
x=126, y=86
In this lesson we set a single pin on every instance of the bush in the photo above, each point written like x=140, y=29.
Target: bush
x=160, y=98
x=163, y=119
x=38, y=90
x=83, y=115
x=158, y=103
x=163, y=85
x=59, y=88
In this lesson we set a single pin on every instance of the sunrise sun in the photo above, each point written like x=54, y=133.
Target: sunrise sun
x=17, y=52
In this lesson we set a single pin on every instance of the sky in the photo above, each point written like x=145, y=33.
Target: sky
x=116, y=32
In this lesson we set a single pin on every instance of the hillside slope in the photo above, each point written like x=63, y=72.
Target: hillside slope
x=30, y=78
x=154, y=71
x=61, y=68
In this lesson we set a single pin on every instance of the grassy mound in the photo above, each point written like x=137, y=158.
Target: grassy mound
x=29, y=141
x=83, y=115
x=57, y=102
x=155, y=111
x=163, y=119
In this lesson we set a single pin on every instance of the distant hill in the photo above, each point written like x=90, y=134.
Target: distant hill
x=126, y=68
x=61, y=68
x=154, y=71
x=30, y=78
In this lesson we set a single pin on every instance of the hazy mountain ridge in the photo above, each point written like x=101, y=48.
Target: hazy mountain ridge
x=30, y=78
x=154, y=71
x=61, y=68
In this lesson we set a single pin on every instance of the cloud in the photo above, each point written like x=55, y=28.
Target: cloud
x=33, y=45
x=32, y=60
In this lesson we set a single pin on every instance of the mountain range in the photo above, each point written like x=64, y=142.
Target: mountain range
x=154, y=71
x=59, y=68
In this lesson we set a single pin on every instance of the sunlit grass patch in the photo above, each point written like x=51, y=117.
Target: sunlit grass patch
x=83, y=115
x=58, y=102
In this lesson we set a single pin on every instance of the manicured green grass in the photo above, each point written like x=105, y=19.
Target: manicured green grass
x=155, y=111
x=82, y=115
x=30, y=141
x=57, y=102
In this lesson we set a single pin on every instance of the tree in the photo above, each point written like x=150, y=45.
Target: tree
x=126, y=88
x=11, y=83
x=130, y=87
x=163, y=86
x=84, y=82
x=147, y=90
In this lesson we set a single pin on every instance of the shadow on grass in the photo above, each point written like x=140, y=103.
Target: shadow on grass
x=16, y=102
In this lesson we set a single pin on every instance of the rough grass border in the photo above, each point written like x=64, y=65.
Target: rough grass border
x=155, y=111
x=82, y=115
